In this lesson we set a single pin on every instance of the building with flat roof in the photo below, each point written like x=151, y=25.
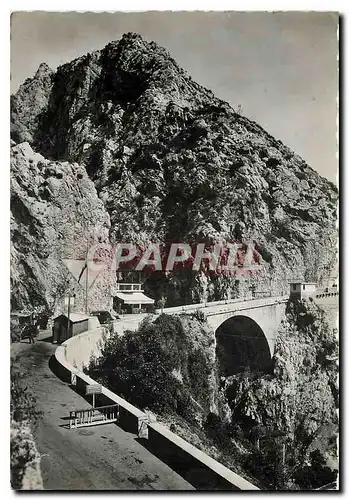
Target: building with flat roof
x=128, y=298
x=301, y=290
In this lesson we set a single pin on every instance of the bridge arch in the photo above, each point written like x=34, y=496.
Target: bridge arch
x=241, y=343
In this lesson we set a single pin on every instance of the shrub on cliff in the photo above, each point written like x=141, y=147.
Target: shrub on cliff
x=316, y=474
x=218, y=430
x=139, y=367
x=156, y=367
x=23, y=454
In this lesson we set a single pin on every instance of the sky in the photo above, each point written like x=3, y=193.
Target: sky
x=281, y=68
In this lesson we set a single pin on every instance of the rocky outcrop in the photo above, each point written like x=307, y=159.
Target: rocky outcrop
x=296, y=404
x=32, y=95
x=25, y=458
x=55, y=212
x=171, y=162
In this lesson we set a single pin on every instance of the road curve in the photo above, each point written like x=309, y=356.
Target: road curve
x=91, y=458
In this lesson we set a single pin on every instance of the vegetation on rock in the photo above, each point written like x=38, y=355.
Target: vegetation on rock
x=160, y=367
x=24, y=415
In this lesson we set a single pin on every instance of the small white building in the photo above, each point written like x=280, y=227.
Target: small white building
x=301, y=290
x=64, y=328
x=330, y=285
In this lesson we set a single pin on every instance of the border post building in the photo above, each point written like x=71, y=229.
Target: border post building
x=301, y=290
x=129, y=298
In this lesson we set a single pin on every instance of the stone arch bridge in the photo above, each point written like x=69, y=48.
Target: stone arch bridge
x=246, y=333
x=245, y=330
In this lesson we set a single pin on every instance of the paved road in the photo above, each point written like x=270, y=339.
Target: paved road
x=91, y=458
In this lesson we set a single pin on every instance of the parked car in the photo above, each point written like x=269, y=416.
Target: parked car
x=106, y=318
x=21, y=323
x=29, y=331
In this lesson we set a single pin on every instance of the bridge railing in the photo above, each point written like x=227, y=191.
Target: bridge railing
x=323, y=295
x=204, y=305
x=201, y=305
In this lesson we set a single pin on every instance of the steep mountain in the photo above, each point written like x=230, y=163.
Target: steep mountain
x=33, y=96
x=171, y=162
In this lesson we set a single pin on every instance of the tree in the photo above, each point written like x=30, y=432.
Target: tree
x=139, y=366
x=161, y=304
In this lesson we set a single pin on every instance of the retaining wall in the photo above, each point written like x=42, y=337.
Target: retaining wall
x=199, y=469
x=80, y=348
x=194, y=465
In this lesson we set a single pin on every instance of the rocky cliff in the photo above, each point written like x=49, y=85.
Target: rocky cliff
x=55, y=212
x=293, y=407
x=171, y=162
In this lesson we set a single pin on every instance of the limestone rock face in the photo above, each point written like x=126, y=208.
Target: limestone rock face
x=171, y=162
x=25, y=458
x=55, y=210
x=298, y=401
x=32, y=95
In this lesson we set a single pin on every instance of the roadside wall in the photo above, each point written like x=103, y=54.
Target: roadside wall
x=199, y=469
x=80, y=348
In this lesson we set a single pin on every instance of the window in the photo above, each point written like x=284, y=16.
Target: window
x=294, y=286
x=303, y=287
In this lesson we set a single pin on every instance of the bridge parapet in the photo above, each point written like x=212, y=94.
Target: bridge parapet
x=227, y=302
x=193, y=307
x=324, y=295
x=211, y=309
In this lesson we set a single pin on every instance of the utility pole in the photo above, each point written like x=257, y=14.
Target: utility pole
x=85, y=228
x=70, y=303
x=68, y=316
x=86, y=280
